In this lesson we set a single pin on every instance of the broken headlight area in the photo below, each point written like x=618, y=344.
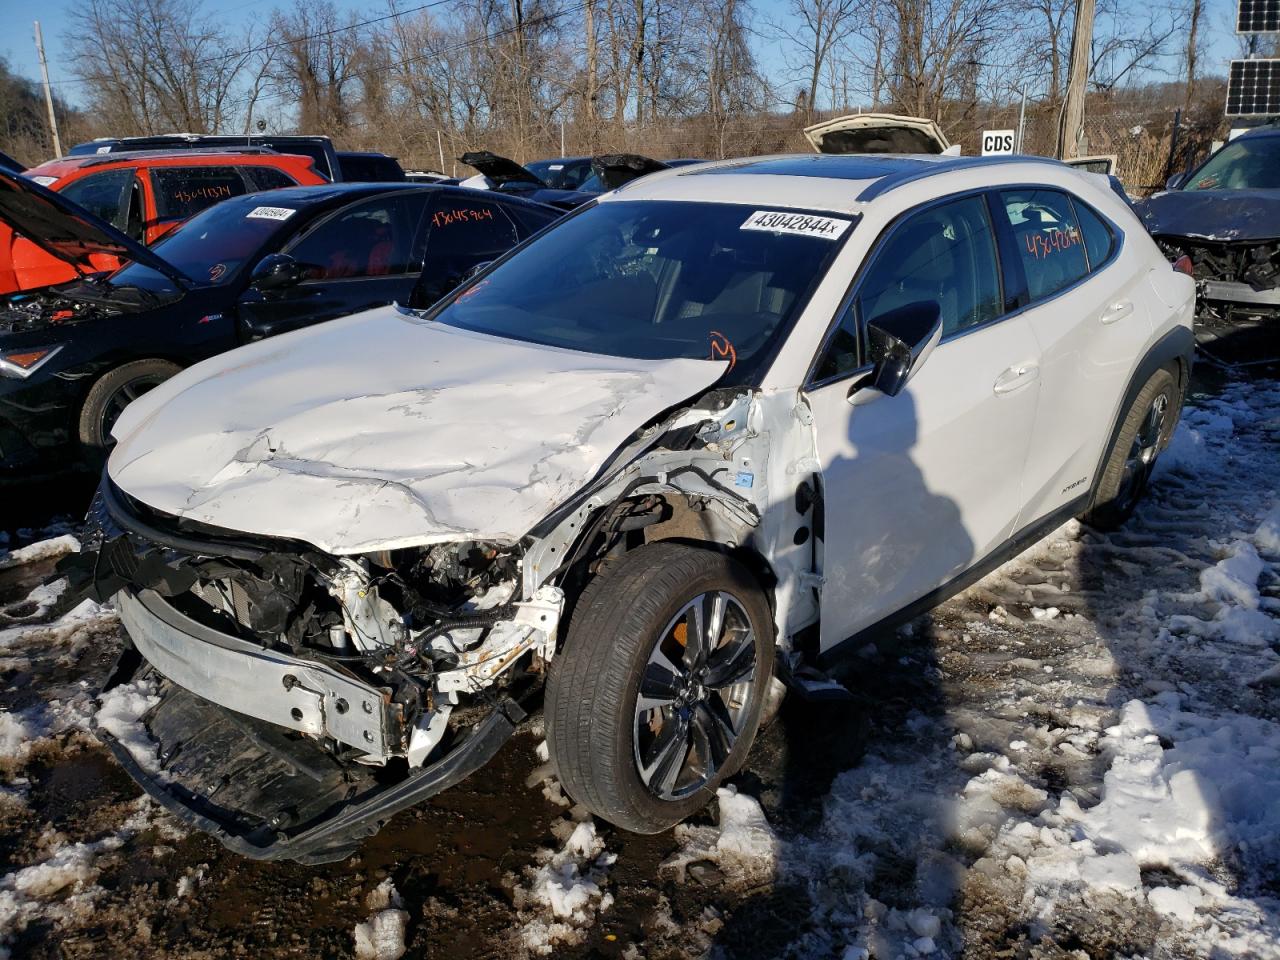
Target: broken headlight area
x=375, y=676
x=1241, y=274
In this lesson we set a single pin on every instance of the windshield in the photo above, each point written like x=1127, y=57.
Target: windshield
x=560, y=174
x=216, y=243
x=1249, y=164
x=658, y=279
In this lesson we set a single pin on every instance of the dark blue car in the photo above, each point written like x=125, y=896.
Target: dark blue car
x=1225, y=215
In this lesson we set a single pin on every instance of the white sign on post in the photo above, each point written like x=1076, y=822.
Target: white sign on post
x=996, y=143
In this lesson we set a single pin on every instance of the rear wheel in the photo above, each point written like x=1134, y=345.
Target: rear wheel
x=656, y=697
x=1143, y=434
x=110, y=395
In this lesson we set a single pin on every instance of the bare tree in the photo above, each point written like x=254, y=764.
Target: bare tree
x=812, y=31
x=154, y=66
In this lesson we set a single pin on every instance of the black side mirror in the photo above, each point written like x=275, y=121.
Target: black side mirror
x=899, y=341
x=1176, y=181
x=276, y=271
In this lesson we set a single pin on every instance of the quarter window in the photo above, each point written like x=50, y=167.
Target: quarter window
x=269, y=178
x=369, y=239
x=182, y=192
x=1098, y=238
x=1046, y=238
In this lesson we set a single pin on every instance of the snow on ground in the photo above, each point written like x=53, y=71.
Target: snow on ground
x=1085, y=762
x=49, y=549
x=381, y=937
x=563, y=891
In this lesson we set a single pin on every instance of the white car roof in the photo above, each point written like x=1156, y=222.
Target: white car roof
x=841, y=183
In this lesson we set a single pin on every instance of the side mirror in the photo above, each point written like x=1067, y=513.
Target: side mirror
x=899, y=341
x=276, y=271
x=1176, y=181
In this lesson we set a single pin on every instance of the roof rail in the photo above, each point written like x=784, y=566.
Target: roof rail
x=892, y=181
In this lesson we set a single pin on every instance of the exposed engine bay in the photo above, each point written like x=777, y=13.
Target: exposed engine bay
x=73, y=303
x=396, y=672
x=1231, y=277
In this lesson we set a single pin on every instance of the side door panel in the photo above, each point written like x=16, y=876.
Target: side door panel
x=919, y=486
x=364, y=255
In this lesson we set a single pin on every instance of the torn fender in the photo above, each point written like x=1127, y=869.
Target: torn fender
x=381, y=431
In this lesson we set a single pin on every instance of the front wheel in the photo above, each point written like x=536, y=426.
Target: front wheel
x=108, y=397
x=656, y=697
x=1143, y=434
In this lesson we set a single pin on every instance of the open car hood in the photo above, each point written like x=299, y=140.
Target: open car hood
x=877, y=133
x=615, y=169
x=1224, y=215
x=381, y=431
x=66, y=230
x=500, y=170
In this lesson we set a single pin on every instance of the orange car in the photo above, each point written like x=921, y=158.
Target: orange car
x=144, y=195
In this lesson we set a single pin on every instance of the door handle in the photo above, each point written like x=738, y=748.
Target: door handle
x=1117, y=311
x=1015, y=378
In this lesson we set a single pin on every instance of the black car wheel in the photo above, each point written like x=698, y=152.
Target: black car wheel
x=657, y=694
x=1143, y=434
x=111, y=394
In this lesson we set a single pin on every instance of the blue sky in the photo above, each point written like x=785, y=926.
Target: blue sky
x=58, y=20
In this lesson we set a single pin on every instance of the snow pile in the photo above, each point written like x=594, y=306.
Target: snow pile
x=564, y=891
x=381, y=937
x=741, y=844
x=120, y=713
x=18, y=732
x=37, y=603
x=41, y=550
x=71, y=628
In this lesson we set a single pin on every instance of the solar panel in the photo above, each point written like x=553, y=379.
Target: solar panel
x=1253, y=88
x=1258, y=16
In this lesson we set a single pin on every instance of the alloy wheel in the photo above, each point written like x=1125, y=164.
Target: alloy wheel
x=695, y=695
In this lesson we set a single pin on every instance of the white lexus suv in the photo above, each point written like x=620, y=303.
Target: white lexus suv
x=690, y=438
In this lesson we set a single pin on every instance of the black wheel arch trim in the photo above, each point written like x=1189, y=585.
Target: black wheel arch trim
x=1176, y=347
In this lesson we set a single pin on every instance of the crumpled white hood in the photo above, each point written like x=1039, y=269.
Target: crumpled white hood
x=380, y=431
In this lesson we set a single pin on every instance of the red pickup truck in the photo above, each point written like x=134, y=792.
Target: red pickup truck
x=144, y=195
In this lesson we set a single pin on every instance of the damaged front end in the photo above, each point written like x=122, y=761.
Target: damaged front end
x=1233, y=277
x=304, y=697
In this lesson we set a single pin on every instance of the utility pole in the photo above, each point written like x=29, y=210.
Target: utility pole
x=1072, y=129
x=1022, y=118
x=48, y=93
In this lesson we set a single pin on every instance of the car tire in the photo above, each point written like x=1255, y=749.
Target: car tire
x=1143, y=434
x=628, y=625
x=109, y=396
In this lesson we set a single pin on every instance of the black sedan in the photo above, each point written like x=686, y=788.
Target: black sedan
x=72, y=356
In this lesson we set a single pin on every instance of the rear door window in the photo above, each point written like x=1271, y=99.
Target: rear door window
x=106, y=195
x=465, y=231
x=1047, y=239
x=182, y=192
x=372, y=238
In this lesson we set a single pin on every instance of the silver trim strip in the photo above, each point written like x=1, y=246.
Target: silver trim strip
x=241, y=676
x=1235, y=292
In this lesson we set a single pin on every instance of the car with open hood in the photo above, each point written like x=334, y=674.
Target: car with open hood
x=606, y=172
x=73, y=355
x=692, y=437
x=878, y=133
x=143, y=195
x=1225, y=216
